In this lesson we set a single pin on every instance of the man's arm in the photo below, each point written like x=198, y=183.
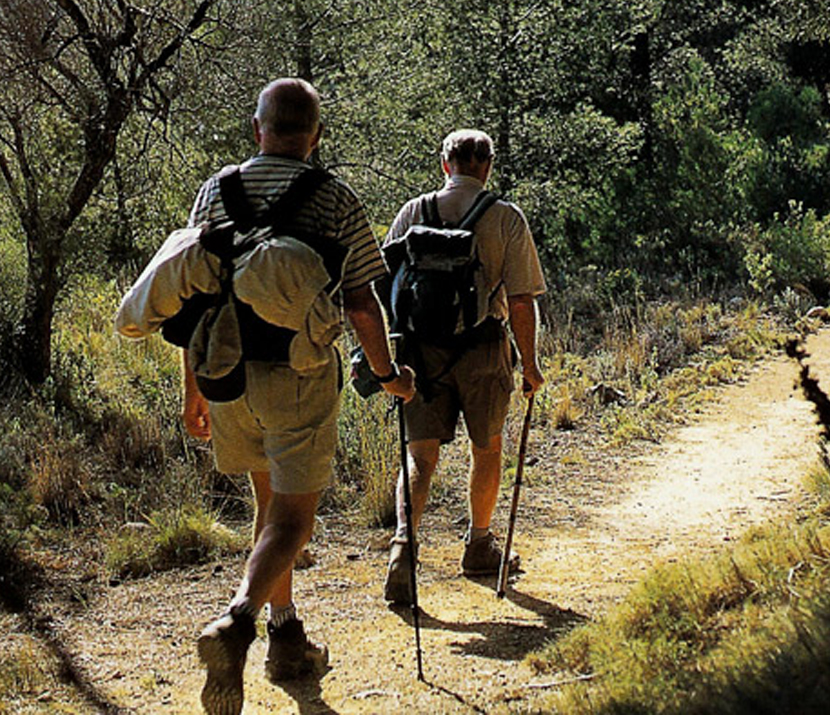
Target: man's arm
x=365, y=315
x=195, y=413
x=523, y=325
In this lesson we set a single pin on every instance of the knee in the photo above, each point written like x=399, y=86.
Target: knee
x=423, y=458
x=491, y=449
x=289, y=522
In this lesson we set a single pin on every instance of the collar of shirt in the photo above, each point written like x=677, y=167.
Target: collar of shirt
x=277, y=159
x=462, y=181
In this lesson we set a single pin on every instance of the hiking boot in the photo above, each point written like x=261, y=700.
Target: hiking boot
x=398, y=586
x=482, y=557
x=223, y=647
x=291, y=654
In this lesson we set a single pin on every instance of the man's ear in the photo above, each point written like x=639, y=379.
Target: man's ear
x=315, y=141
x=257, y=130
x=445, y=166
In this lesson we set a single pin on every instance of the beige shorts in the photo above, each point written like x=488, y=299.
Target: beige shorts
x=477, y=386
x=285, y=424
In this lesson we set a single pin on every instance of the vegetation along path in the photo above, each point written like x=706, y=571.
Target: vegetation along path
x=588, y=529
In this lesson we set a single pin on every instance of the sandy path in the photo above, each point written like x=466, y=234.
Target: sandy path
x=738, y=463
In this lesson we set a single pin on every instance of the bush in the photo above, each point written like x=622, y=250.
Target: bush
x=169, y=539
x=793, y=250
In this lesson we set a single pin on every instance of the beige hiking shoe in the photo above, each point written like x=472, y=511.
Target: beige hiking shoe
x=398, y=586
x=223, y=648
x=291, y=654
x=482, y=557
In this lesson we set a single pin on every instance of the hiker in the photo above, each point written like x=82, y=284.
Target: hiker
x=283, y=429
x=473, y=375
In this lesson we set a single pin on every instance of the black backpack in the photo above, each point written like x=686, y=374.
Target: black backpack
x=260, y=340
x=438, y=294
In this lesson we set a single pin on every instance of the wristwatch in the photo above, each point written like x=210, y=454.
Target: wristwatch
x=393, y=375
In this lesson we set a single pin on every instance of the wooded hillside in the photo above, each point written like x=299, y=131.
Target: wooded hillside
x=656, y=147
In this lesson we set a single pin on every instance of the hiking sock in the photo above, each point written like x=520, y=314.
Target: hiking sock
x=279, y=616
x=476, y=533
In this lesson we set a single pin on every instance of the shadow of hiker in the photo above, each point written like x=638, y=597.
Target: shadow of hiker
x=20, y=582
x=504, y=640
x=308, y=695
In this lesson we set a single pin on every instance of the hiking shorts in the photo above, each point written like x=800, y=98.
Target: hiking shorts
x=285, y=424
x=477, y=386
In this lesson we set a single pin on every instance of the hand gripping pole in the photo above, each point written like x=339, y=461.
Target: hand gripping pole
x=514, y=507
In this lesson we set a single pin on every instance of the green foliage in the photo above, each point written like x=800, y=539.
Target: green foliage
x=12, y=287
x=368, y=456
x=794, y=165
x=793, y=250
x=741, y=632
x=170, y=539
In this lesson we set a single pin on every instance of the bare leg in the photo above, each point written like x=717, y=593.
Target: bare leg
x=286, y=528
x=485, y=477
x=261, y=483
x=423, y=459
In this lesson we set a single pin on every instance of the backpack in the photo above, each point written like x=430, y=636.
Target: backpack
x=438, y=293
x=228, y=293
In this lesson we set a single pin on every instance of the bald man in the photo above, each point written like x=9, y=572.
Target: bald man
x=283, y=431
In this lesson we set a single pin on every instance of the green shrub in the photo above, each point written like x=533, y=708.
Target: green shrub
x=368, y=455
x=746, y=631
x=170, y=539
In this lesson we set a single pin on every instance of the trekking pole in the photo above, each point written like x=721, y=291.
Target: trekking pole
x=407, y=501
x=514, y=507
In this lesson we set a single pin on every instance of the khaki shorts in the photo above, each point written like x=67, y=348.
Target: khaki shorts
x=285, y=424
x=478, y=386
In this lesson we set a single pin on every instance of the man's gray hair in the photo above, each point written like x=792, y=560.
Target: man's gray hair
x=288, y=106
x=467, y=147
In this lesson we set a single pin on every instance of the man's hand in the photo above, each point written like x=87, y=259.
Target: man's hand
x=402, y=386
x=532, y=379
x=196, y=416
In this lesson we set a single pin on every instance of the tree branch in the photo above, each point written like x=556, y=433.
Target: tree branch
x=16, y=199
x=97, y=55
x=196, y=21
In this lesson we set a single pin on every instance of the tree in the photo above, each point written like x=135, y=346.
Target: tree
x=74, y=72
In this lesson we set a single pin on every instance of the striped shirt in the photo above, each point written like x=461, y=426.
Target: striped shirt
x=333, y=212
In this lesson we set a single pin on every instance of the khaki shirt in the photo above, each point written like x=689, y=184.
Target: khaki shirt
x=505, y=244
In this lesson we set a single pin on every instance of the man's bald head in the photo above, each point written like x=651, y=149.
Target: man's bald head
x=469, y=152
x=287, y=107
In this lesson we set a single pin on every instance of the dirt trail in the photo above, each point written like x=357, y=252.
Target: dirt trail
x=583, y=541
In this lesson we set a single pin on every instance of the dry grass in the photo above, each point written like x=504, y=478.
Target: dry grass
x=744, y=632
x=170, y=540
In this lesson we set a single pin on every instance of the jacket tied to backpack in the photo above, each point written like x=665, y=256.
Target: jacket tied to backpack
x=241, y=290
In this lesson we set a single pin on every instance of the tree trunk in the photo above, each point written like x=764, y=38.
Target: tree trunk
x=505, y=98
x=302, y=40
x=33, y=343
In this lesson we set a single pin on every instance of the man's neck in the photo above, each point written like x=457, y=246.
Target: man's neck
x=458, y=178
x=294, y=156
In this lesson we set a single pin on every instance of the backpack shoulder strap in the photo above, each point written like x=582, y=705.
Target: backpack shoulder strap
x=219, y=239
x=293, y=198
x=234, y=199
x=239, y=209
x=429, y=211
x=483, y=201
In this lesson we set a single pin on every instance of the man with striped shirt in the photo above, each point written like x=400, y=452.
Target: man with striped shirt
x=283, y=429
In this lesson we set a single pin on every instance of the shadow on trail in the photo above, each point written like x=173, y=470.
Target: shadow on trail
x=308, y=695
x=504, y=640
x=18, y=582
